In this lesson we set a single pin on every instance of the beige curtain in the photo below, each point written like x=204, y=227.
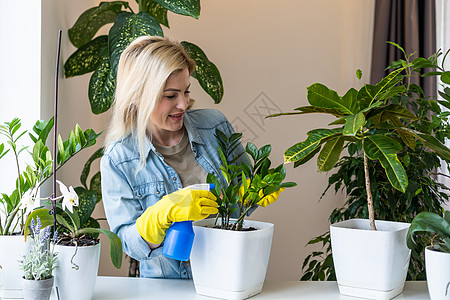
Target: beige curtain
x=412, y=25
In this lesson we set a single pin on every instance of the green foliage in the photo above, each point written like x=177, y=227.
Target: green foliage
x=247, y=183
x=34, y=175
x=80, y=222
x=377, y=120
x=101, y=54
x=432, y=223
x=423, y=193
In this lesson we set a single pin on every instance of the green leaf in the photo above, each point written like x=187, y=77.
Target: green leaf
x=114, y=243
x=206, y=72
x=251, y=149
x=92, y=20
x=189, y=8
x=96, y=185
x=329, y=155
x=385, y=150
x=353, y=124
x=126, y=28
x=370, y=93
x=321, y=96
x=434, y=144
x=315, y=138
x=158, y=12
x=87, y=166
x=309, y=110
x=358, y=74
x=445, y=77
x=87, y=200
x=101, y=87
x=428, y=222
x=87, y=58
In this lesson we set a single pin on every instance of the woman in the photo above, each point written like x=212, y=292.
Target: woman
x=155, y=146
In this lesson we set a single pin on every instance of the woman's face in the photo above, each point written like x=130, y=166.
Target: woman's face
x=167, y=118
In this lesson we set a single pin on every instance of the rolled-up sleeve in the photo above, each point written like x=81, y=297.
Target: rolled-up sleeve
x=122, y=209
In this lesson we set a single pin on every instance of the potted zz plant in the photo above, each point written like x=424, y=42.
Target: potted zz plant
x=437, y=255
x=38, y=263
x=370, y=257
x=33, y=168
x=230, y=255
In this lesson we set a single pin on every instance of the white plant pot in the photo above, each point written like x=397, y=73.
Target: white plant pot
x=12, y=249
x=72, y=283
x=230, y=264
x=370, y=264
x=437, y=265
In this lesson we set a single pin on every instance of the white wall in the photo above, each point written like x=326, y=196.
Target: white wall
x=268, y=52
x=19, y=75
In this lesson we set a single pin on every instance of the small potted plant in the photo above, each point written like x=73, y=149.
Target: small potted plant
x=437, y=254
x=369, y=263
x=230, y=255
x=38, y=263
x=15, y=207
x=78, y=244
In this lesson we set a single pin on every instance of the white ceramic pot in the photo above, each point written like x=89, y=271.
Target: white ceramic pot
x=12, y=249
x=370, y=264
x=230, y=264
x=72, y=283
x=437, y=265
x=37, y=289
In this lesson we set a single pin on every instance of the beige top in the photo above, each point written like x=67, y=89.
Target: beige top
x=181, y=158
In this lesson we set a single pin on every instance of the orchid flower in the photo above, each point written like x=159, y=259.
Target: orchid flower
x=29, y=201
x=70, y=197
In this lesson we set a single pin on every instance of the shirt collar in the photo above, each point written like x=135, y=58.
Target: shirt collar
x=193, y=133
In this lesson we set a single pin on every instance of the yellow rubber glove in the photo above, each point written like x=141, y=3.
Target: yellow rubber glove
x=269, y=199
x=182, y=205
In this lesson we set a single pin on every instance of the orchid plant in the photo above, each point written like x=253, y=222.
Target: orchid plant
x=75, y=224
x=16, y=206
x=40, y=261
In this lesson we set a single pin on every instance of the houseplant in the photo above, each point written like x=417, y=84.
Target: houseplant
x=229, y=259
x=424, y=191
x=78, y=245
x=16, y=206
x=38, y=263
x=437, y=255
x=374, y=121
x=101, y=54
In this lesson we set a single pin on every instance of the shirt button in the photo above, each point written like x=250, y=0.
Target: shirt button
x=157, y=192
x=174, y=179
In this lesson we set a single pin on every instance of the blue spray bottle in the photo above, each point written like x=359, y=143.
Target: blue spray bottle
x=180, y=235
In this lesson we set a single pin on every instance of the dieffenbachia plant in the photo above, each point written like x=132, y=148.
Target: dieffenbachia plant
x=100, y=54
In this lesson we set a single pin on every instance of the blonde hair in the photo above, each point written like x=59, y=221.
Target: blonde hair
x=144, y=67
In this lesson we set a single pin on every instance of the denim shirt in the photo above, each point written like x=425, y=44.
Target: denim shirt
x=126, y=195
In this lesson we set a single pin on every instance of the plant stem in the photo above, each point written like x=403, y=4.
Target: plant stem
x=10, y=219
x=369, y=193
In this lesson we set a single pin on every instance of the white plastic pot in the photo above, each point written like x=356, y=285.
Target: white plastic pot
x=370, y=264
x=74, y=283
x=12, y=249
x=437, y=265
x=230, y=264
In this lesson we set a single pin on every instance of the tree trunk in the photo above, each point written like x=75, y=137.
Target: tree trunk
x=369, y=194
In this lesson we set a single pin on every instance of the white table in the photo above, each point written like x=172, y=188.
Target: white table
x=115, y=288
